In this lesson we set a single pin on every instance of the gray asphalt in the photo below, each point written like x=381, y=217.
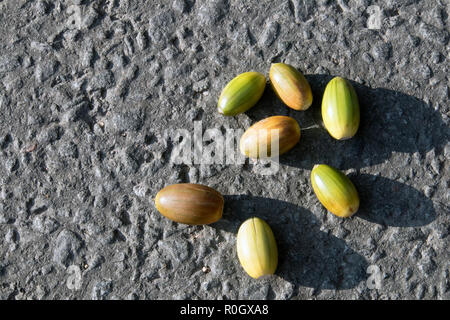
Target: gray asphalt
x=91, y=93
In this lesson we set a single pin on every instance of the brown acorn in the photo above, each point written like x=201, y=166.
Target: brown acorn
x=190, y=203
x=257, y=142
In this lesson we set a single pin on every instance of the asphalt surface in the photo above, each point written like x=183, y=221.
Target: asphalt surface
x=91, y=93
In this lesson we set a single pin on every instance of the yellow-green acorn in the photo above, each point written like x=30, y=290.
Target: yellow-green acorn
x=257, y=142
x=256, y=248
x=290, y=86
x=334, y=190
x=241, y=93
x=340, y=109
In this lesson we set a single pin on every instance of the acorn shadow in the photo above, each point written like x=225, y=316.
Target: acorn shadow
x=390, y=203
x=391, y=121
x=307, y=256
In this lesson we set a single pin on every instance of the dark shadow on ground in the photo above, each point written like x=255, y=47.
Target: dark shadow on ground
x=307, y=256
x=387, y=202
x=390, y=122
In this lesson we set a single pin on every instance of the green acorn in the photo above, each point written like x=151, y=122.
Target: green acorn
x=340, y=109
x=334, y=190
x=241, y=93
x=256, y=248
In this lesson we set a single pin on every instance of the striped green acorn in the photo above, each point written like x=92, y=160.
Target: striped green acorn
x=241, y=93
x=334, y=190
x=290, y=86
x=256, y=248
x=340, y=109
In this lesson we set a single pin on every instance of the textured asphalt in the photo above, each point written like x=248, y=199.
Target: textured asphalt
x=91, y=92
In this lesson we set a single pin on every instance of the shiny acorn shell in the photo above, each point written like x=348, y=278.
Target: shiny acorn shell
x=335, y=190
x=258, y=136
x=190, y=203
x=241, y=93
x=256, y=248
x=340, y=109
x=290, y=86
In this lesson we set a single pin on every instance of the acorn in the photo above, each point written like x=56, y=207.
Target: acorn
x=190, y=203
x=241, y=93
x=290, y=86
x=334, y=190
x=256, y=142
x=256, y=248
x=340, y=109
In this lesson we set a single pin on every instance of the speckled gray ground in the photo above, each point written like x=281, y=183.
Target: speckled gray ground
x=85, y=104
